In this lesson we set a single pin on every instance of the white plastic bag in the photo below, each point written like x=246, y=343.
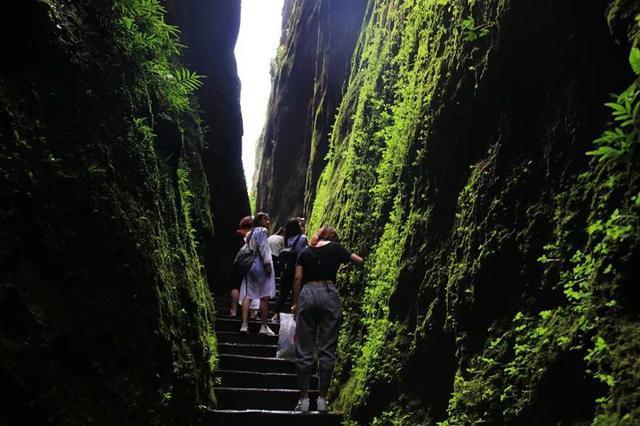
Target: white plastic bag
x=287, y=337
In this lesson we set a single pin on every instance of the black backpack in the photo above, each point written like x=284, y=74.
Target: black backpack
x=288, y=257
x=244, y=259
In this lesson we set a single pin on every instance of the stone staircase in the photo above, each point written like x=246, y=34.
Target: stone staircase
x=256, y=388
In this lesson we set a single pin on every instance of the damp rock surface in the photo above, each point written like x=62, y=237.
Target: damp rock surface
x=501, y=259
x=105, y=312
x=309, y=71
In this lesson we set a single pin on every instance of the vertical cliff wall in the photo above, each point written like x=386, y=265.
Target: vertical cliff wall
x=499, y=284
x=309, y=71
x=210, y=29
x=105, y=314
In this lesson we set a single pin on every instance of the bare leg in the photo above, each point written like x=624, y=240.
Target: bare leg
x=264, y=309
x=245, y=310
x=235, y=295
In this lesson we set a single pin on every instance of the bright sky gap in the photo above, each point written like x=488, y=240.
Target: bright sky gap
x=256, y=47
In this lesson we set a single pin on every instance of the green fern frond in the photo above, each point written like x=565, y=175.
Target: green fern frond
x=187, y=78
x=606, y=152
x=634, y=60
x=155, y=44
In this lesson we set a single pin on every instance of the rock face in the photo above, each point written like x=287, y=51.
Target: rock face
x=105, y=313
x=210, y=30
x=501, y=260
x=309, y=71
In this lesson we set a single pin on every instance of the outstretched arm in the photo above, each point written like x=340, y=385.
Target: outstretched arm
x=354, y=258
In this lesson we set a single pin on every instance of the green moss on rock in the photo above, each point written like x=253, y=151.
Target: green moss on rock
x=499, y=258
x=105, y=314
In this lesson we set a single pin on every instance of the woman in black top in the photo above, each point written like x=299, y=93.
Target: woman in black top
x=317, y=303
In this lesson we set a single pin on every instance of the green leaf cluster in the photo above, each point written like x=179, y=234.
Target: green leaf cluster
x=472, y=32
x=616, y=143
x=154, y=46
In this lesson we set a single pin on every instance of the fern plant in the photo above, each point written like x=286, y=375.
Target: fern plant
x=180, y=83
x=155, y=45
x=186, y=197
x=617, y=143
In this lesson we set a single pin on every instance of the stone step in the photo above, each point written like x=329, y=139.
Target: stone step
x=233, y=324
x=247, y=349
x=251, y=379
x=270, y=417
x=245, y=338
x=256, y=364
x=223, y=305
x=260, y=399
x=227, y=316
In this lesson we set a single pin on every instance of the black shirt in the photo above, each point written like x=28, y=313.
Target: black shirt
x=322, y=263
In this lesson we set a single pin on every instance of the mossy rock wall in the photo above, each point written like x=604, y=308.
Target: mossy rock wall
x=105, y=314
x=210, y=29
x=501, y=261
x=308, y=76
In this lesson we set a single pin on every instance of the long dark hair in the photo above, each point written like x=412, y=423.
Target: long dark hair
x=291, y=229
x=258, y=218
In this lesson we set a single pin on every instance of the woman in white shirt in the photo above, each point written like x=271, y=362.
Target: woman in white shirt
x=259, y=283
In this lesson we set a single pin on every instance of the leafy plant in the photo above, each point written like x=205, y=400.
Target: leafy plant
x=473, y=32
x=186, y=195
x=166, y=397
x=155, y=45
x=634, y=60
x=616, y=143
x=181, y=83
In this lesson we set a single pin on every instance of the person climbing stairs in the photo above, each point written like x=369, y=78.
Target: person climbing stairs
x=254, y=387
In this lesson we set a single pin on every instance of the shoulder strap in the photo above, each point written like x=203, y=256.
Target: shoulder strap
x=295, y=243
x=249, y=240
x=286, y=241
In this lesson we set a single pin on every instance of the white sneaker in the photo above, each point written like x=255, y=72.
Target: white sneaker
x=323, y=405
x=266, y=330
x=303, y=405
x=244, y=328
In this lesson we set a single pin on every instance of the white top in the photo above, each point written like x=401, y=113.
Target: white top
x=276, y=244
x=258, y=283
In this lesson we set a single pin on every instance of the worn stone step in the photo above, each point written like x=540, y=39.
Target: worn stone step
x=260, y=399
x=255, y=364
x=251, y=379
x=233, y=324
x=245, y=338
x=224, y=303
x=223, y=306
x=247, y=349
x=226, y=298
x=227, y=316
x=270, y=417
